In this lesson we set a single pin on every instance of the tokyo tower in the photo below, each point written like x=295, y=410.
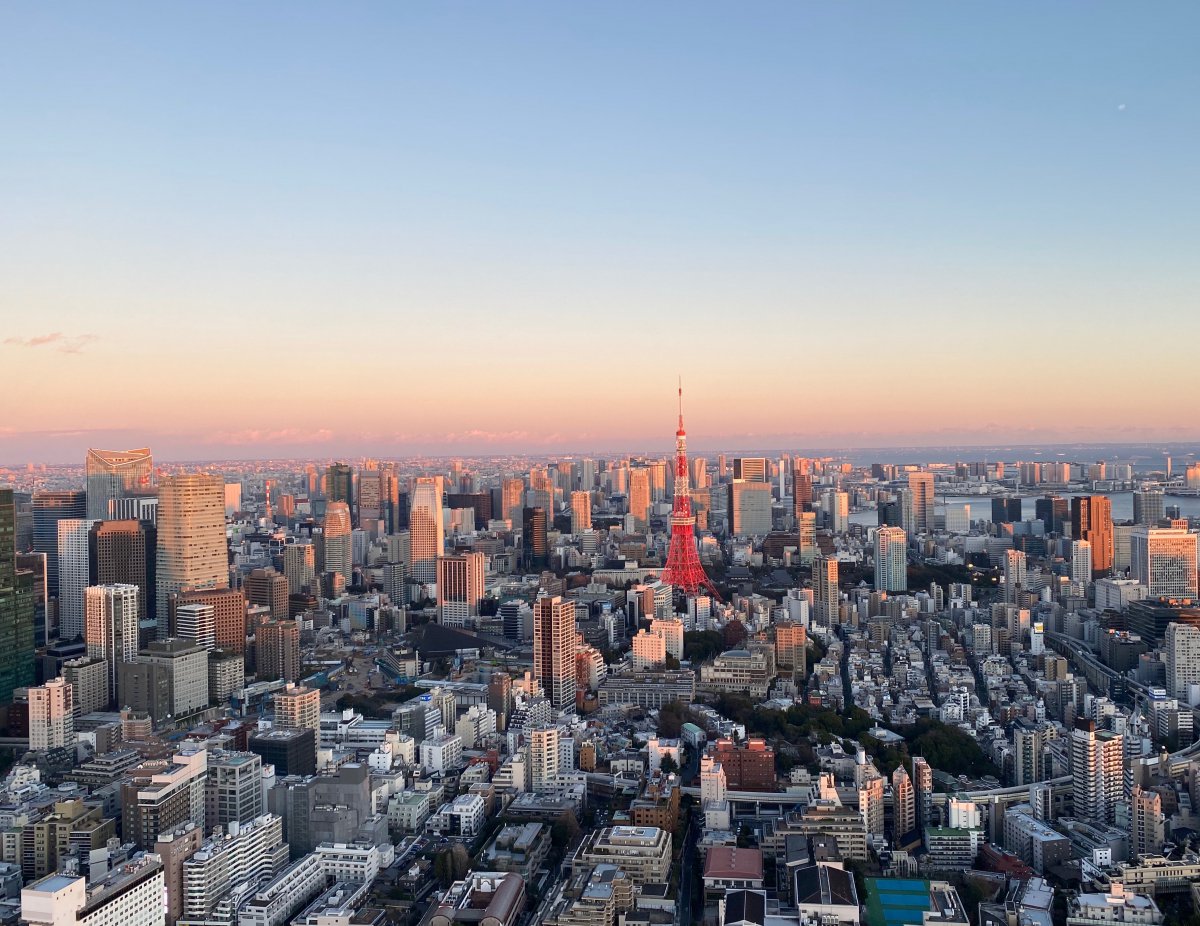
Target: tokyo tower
x=683, y=570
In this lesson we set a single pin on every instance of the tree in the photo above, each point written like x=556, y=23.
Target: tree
x=668, y=765
x=670, y=720
x=702, y=645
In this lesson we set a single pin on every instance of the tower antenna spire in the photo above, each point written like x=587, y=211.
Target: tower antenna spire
x=681, y=403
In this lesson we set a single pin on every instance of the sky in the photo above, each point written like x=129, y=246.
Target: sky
x=240, y=230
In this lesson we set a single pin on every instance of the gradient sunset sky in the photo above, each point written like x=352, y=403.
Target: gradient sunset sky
x=391, y=228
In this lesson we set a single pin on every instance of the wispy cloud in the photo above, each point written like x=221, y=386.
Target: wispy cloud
x=56, y=340
x=269, y=436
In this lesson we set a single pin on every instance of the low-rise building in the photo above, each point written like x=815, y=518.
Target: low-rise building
x=642, y=852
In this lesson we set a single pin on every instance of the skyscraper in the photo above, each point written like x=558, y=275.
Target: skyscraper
x=1182, y=652
x=1091, y=520
x=460, y=585
x=750, y=469
x=1051, y=510
x=339, y=484
x=192, y=550
x=826, y=597
x=48, y=509
x=581, y=512
x=299, y=566
x=639, y=497
x=111, y=627
x=512, y=500
x=338, y=544
x=116, y=474
x=749, y=508
x=123, y=553
x=1148, y=507
x=1164, y=560
x=554, y=642
x=16, y=607
x=1081, y=566
x=921, y=486
x=1015, y=580
x=427, y=533
x=891, y=560
x=74, y=573
x=535, y=554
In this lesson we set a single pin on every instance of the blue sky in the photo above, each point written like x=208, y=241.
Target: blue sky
x=848, y=222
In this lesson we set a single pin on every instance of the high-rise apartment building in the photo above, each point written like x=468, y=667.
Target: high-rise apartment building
x=336, y=536
x=1091, y=520
x=1081, y=566
x=88, y=678
x=554, y=641
x=250, y=851
x=51, y=716
x=891, y=560
x=544, y=761
x=1097, y=772
x=581, y=512
x=1015, y=575
x=74, y=574
x=1164, y=560
x=111, y=628
x=268, y=588
x=192, y=550
x=277, y=645
x=922, y=779
x=123, y=553
x=117, y=474
x=17, y=607
x=904, y=806
x=298, y=708
x=1147, y=825
x=1028, y=753
x=921, y=486
x=461, y=579
x=837, y=509
x=826, y=597
x=48, y=509
x=427, y=532
x=299, y=567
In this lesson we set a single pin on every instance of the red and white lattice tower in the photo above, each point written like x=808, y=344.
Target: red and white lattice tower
x=683, y=570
